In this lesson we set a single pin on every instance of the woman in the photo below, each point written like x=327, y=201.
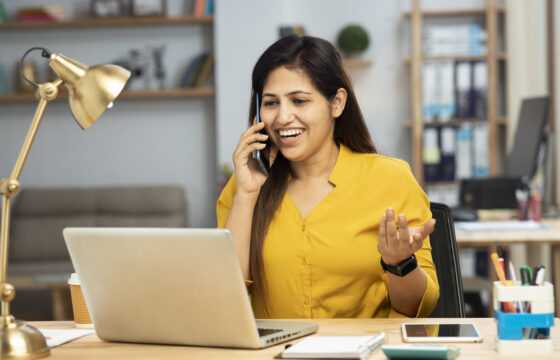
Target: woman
x=318, y=235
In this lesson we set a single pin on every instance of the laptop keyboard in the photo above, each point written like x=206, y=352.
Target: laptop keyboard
x=264, y=332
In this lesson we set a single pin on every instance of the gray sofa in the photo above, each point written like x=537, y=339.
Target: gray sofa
x=38, y=258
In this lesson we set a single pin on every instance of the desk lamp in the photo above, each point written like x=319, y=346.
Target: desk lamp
x=91, y=91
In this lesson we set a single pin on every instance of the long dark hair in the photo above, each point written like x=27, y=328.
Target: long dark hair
x=321, y=62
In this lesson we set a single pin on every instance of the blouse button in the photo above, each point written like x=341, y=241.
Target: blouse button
x=303, y=227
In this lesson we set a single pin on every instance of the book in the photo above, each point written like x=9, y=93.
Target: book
x=189, y=71
x=205, y=69
x=335, y=347
x=209, y=10
x=199, y=7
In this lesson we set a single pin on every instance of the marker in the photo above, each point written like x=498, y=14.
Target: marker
x=527, y=270
x=539, y=275
x=526, y=275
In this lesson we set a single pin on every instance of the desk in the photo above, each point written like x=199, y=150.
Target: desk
x=92, y=348
x=551, y=235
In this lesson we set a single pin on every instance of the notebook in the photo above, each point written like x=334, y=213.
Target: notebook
x=335, y=347
x=170, y=286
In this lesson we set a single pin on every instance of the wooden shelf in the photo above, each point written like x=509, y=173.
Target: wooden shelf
x=458, y=122
x=106, y=22
x=442, y=183
x=500, y=56
x=357, y=63
x=201, y=92
x=458, y=12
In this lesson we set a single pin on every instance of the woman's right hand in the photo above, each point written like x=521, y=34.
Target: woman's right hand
x=247, y=172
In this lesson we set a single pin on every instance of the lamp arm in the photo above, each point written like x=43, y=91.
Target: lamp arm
x=11, y=187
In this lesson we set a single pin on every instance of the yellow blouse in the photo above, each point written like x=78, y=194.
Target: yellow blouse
x=326, y=265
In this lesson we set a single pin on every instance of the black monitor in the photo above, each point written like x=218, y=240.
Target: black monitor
x=527, y=154
x=530, y=138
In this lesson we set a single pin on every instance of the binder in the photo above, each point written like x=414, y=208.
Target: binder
x=463, y=89
x=480, y=88
x=431, y=155
x=448, y=150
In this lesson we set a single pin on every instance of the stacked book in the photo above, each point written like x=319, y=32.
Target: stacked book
x=198, y=71
x=203, y=7
x=43, y=13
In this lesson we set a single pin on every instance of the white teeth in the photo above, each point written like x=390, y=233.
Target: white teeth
x=290, y=132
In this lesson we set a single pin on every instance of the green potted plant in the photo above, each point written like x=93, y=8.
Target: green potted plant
x=353, y=40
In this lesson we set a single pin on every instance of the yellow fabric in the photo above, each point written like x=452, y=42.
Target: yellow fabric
x=327, y=265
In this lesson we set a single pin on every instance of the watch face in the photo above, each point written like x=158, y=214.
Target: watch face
x=148, y=7
x=107, y=8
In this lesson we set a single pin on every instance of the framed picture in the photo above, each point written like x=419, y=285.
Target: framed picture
x=107, y=8
x=148, y=7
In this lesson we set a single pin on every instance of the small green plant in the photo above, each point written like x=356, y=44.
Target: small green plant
x=353, y=39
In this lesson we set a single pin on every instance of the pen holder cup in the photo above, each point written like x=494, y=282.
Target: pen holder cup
x=527, y=331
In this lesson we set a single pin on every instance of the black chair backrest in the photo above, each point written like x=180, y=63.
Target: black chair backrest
x=444, y=253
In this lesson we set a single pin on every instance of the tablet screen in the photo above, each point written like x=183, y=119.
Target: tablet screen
x=441, y=332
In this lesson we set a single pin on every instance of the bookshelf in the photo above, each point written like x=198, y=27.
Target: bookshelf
x=103, y=22
x=118, y=22
x=201, y=92
x=494, y=59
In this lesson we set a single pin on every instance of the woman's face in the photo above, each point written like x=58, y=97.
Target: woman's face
x=297, y=117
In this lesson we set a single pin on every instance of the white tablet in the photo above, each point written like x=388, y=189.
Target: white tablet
x=434, y=332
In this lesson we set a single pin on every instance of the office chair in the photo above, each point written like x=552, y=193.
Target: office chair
x=444, y=254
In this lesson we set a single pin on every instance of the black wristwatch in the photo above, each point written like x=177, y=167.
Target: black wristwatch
x=402, y=268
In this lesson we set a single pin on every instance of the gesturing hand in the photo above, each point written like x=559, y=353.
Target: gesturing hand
x=396, y=246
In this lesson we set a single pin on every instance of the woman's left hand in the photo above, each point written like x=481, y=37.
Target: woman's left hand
x=397, y=246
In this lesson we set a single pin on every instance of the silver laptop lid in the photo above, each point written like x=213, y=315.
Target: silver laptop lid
x=167, y=286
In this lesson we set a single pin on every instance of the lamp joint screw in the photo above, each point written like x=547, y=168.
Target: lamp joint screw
x=7, y=292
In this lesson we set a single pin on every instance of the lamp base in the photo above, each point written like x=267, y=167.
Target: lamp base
x=21, y=341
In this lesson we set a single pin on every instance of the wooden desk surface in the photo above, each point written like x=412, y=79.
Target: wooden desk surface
x=92, y=347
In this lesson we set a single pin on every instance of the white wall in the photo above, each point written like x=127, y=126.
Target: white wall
x=245, y=28
x=138, y=141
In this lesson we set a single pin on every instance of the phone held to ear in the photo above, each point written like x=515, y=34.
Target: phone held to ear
x=258, y=154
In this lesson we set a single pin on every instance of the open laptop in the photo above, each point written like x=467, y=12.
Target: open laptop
x=170, y=286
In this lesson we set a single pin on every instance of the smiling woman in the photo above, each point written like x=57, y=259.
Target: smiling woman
x=318, y=236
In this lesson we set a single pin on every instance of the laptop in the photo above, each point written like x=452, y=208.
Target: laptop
x=170, y=286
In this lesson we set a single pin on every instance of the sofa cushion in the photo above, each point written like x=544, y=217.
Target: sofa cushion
x=40, y=214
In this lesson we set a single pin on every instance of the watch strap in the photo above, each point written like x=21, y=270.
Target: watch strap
x=401, y=269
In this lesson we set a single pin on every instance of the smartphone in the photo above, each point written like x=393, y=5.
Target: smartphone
x=434, y=332
x=258, y=154
x=420, y=351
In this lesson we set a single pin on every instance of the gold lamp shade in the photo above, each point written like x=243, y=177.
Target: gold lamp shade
x=91, y=89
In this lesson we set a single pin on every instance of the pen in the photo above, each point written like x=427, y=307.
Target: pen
x=502, y=278
x=514, y=278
